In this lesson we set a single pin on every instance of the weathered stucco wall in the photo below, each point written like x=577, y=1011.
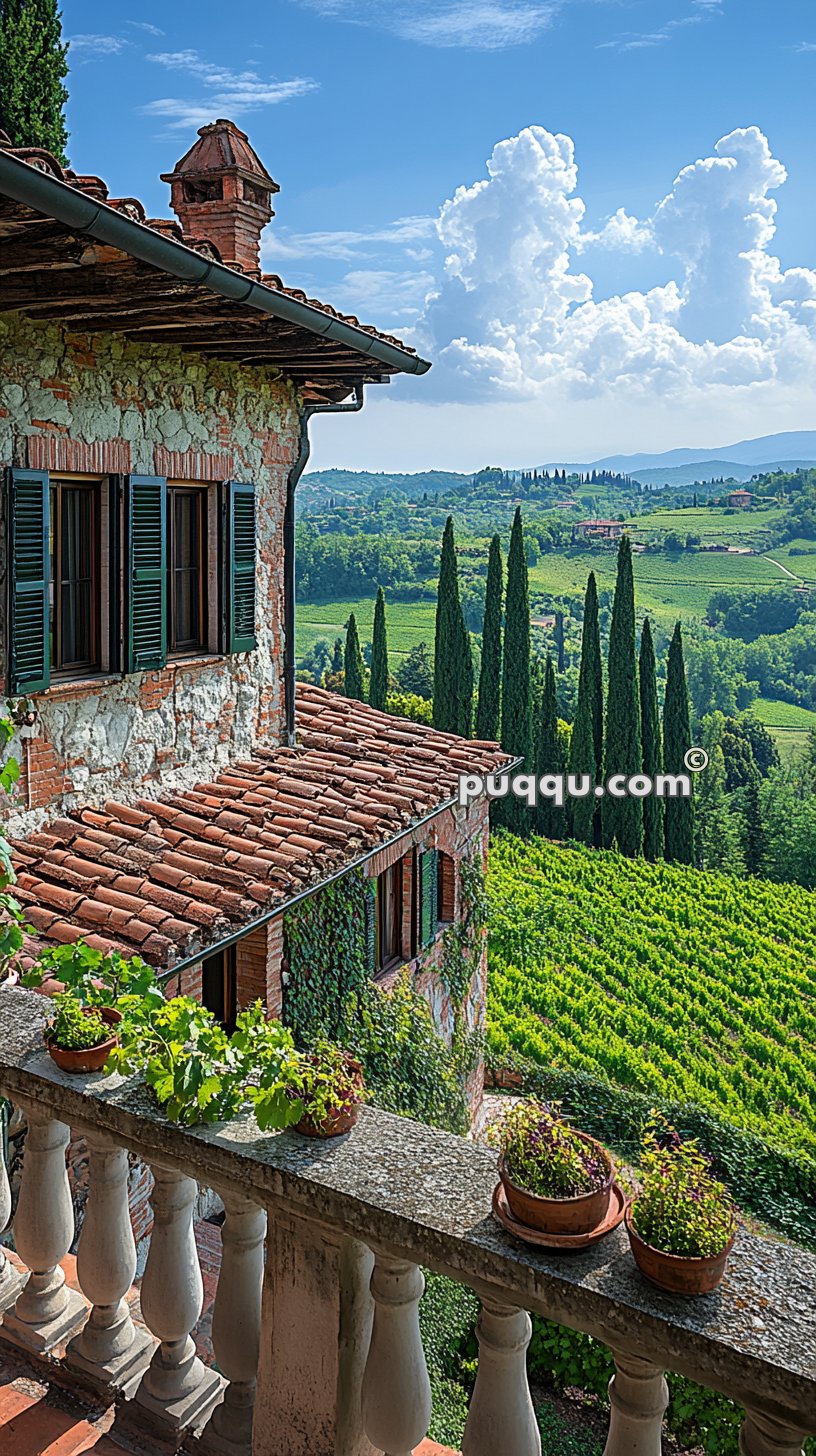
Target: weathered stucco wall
x=102, y=405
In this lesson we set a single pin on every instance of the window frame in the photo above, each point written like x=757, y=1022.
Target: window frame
x=58, y=482
x=389, y=888
x=229, y=985
x=199, y=492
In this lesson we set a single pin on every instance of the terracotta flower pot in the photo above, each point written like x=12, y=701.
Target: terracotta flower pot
x=332, y=1126
x=343, y=1119
x=676, y=1273
x=89, y=1059
x=576, y=1215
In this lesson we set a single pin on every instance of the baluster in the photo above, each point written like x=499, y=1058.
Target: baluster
x=638, y=1395
x=10, y=1279
x=46, y=1310
x=396, y=1390
x=763, y=1436
x=176, y=1386
x=501, y=1415
x=109, y=1348
x=236, y=1325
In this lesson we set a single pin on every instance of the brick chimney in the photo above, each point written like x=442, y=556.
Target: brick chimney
x=221, y=191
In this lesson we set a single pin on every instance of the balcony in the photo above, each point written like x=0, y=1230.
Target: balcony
x=314, y=1325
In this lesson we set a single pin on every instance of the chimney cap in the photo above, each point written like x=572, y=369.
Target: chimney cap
x=222, y=148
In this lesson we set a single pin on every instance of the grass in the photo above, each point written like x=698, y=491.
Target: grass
x=736, y=528
x=408, y=623
x=678, y=983
x=789, y=724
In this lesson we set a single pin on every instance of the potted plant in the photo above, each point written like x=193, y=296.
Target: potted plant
x=681, y=1224
x=80, y=1038
x=327, y=1083
x=556, y=1179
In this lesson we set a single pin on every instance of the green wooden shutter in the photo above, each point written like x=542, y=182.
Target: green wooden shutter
x=371, y=926
x=241, y=568
x=427, y=895
x=29, y=556
x=146, y=573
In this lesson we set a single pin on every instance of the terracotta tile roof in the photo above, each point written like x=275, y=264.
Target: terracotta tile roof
x=133, y=208
x=169, y=876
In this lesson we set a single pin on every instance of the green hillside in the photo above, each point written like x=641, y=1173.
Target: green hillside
x=673, y=982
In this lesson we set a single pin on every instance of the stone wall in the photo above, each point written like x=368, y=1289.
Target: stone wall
x=104, y=406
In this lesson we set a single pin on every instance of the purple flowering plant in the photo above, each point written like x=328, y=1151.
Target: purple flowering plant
x=681, y=1207
x=544, y=1156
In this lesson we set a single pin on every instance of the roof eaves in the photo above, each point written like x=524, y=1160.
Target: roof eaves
x=47, y=194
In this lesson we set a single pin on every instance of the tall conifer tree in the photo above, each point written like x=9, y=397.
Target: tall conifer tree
x=651, y=744
x=453, y=660
x=622, y=819
x=586, y=743
x=549, y=756
x=353, y=662
x=678, y=812
x=378, y=686
x=488, y=708
x=33, y=68
x=516, y=736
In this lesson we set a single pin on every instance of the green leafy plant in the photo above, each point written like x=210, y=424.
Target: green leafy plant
x=681, y=1207
x=544, y=1156
x=325, y=1081
x=73, y=1029
x=95, y=978
x=12, y=922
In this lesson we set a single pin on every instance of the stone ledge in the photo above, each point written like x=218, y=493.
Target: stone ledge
x=425, y=1195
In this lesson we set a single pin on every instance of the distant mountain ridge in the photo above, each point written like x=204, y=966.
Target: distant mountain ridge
x=707, y=470
x=762, y=452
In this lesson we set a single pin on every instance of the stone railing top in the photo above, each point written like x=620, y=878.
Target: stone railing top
x=425, y=1195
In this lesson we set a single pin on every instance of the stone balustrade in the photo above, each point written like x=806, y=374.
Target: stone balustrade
x=318, y=1346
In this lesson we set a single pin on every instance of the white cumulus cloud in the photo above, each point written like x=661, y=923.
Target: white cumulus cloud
x=514, y=317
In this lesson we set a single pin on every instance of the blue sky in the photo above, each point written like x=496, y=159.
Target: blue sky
x=496, y=180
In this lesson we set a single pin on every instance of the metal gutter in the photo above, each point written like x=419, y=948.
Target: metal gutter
x=268, y=915
x=348, y=407
x=56, y=199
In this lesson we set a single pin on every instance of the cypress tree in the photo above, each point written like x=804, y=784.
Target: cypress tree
x=353, y=662
x=378, y=687
x=33, y=67
x=754, y=826
x=651, y=744
x=586, y=744
x=337, y=656
x=516, y=706
x=453, y=662
x=548, y=755
x=622, y=819
x=488, y=708
x=678, y=812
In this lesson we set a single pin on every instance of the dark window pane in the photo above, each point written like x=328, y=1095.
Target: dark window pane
x=187, y=570
x=74, y=578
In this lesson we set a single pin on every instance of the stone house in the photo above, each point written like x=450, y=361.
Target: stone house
x=178, y=790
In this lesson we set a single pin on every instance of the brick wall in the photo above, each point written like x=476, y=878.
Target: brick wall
x=104, y=406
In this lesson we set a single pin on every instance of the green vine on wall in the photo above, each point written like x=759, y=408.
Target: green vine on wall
x=329, y=991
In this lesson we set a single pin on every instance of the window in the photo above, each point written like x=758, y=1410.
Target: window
x=73, y=594
x=389, y=916
x=445, y=888
x=187, y=532
x=218, y=979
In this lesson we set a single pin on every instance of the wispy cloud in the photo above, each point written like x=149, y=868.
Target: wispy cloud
x=484, y=25
x=806, y=45
x=146, y=26
x=702, y=10
x=91, y=47
x=226, y=92
x=350, y=246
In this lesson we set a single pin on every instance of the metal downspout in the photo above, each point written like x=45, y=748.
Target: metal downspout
x=351, y=406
